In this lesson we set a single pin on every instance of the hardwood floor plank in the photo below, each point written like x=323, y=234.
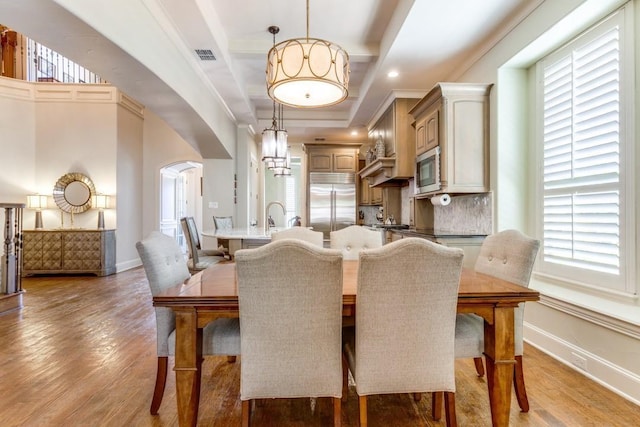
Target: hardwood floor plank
x=82, y=352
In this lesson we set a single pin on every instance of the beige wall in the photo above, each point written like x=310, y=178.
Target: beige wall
x=47, y=130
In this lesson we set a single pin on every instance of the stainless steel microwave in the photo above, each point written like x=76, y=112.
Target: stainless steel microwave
x=427, y=175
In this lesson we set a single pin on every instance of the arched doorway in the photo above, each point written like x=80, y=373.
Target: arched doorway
x=180, y=196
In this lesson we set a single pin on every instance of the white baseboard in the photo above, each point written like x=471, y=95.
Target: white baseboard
x=605, y=373
x=128, y=265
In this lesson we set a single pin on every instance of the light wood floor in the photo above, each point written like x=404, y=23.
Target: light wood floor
x=82, y=353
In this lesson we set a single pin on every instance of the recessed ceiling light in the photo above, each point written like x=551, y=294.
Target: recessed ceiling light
x=392, y=74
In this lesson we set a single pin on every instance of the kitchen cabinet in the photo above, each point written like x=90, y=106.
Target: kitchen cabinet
x=394, y=129
x=69, y=251
x=332, y=158
x=455, y=117
x=469, y=244
x=369, y=195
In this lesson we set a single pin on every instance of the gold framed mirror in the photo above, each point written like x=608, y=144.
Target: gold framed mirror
x=73, y=192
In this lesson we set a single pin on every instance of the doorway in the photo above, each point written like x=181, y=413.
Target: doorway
x=180, y=196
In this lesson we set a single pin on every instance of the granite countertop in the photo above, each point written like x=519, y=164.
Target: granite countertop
x=437, y=233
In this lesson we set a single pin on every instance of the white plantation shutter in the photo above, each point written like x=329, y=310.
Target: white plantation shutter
x=581, y=149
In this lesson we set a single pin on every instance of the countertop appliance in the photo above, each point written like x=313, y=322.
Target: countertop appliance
x=332, y=201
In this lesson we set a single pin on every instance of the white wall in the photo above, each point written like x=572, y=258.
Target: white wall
x=605, y=330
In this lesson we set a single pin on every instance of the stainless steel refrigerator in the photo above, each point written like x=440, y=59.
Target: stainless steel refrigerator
x=332, y=201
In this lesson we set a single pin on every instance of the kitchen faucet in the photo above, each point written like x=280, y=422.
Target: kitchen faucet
x=269, y=221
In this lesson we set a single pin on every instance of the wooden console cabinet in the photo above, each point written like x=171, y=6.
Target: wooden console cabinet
x=69, y=252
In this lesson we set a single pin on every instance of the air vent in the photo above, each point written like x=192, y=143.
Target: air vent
x=320, y=138
x=206, y=54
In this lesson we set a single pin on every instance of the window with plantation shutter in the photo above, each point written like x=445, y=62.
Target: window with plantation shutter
x=582, y=130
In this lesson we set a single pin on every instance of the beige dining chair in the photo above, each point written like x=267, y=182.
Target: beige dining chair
x=300, y=233
x=507, y=255
x=199, y=259
x=223, y=223
x=403, y=340
x=351, y=240
x=290, y=303
x=165, y=266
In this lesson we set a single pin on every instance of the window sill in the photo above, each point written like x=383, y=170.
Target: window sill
x=615, y=311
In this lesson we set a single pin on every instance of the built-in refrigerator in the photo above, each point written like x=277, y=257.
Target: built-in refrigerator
x=332, y=201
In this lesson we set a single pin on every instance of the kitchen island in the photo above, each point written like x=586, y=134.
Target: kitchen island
x=241, y=238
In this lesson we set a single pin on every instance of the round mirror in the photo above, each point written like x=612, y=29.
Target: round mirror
x=73, y=192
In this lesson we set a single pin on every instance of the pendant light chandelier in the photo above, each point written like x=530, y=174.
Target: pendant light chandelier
x=307, y=72
x=274, y=143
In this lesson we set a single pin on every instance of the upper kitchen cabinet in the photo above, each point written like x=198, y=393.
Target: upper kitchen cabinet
x=395, y=130
x=326, y=157
x=455, y=117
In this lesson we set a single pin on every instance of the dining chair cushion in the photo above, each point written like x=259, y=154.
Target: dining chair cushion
x=406, y=310
x=300, y=233
x=223, y=222
x=198, y=260
x=290, y=304
x=165, y=266
x=508, y=255
x=220, y=337
x=351, y=240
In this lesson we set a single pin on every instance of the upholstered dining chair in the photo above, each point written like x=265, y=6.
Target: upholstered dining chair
x=290, y=302
x=165, y=266
x=198, y=259
x=403, y=340
x=351, y=240
x=300, y=233
x=507, y=255
x=223, y=223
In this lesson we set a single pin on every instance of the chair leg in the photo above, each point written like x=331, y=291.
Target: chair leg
x=362, y=403
x=436, y=405
x=246, y=413
x=161, y=380
x=518, y=383
x=450, y=408
x=231, y=359
x=479, y=366
x=345, y=377
x=337, y=412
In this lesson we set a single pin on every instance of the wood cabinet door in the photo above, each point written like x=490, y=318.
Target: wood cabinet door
x=375, y=195
x=320, y=162
x=344, y=162
x=364, y=192
x=432, y=130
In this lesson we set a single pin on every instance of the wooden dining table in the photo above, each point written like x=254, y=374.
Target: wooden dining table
x=213, y=293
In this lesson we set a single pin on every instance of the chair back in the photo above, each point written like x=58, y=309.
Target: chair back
x=165, y=266
x=509, y=255
x=351, y=240
x=405, y=317
x=223, y=222
x=300, y=233
x=191, y=239
x=290, y=320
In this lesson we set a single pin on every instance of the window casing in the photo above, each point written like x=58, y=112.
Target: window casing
x=585, y=146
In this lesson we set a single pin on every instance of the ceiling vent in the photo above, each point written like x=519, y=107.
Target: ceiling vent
x=319, y=138
x=206, y=54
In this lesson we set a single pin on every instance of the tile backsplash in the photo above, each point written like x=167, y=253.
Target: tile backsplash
x=466, y=214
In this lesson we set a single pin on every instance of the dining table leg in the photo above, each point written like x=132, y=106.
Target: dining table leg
x=500, y=360
x=188, y=364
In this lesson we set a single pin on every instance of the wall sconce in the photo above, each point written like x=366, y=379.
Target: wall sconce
x=37, y=202
x=102, y=203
